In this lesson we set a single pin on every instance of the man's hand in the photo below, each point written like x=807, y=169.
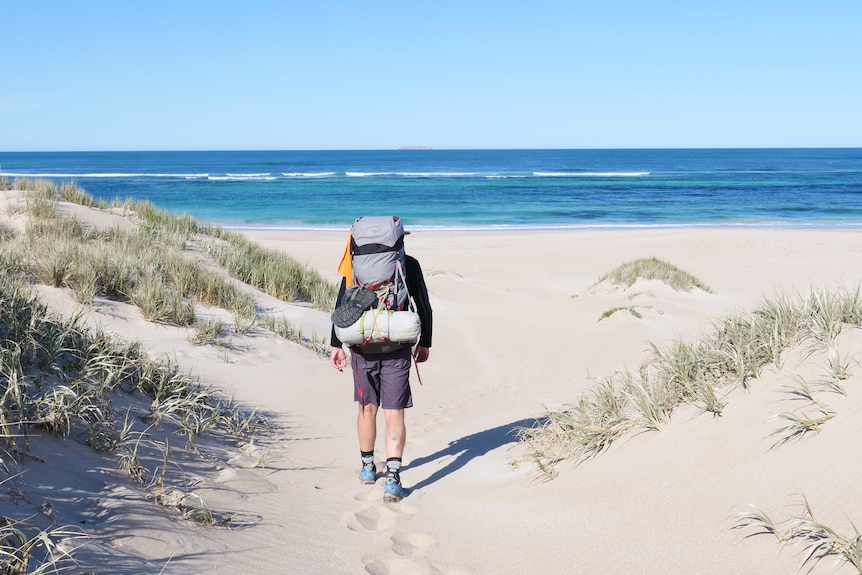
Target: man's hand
x=338, y=358
x=421, y=354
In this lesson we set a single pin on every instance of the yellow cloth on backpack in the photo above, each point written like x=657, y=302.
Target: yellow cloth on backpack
x=345, y=268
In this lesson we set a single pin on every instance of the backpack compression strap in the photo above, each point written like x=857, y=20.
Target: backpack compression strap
x=367, y=249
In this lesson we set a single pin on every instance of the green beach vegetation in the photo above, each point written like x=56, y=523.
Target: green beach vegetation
x=164, y=264
x=60, y=379
x=702, y=373
x=652, y=268
x=818, y=540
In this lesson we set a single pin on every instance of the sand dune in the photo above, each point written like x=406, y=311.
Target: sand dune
x=516, y=331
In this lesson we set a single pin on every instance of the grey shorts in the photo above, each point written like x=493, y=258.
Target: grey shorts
x=383, y=379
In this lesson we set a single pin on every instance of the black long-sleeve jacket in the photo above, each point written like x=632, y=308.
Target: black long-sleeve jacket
x=418, y=291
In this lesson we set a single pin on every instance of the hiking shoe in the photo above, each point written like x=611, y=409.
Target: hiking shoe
x=353, y=304
x=368, y=474
x=392, y=491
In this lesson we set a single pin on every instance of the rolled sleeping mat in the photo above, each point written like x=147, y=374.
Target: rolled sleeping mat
x=382, y=326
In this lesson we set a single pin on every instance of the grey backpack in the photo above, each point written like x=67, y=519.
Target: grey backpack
x=377, y=251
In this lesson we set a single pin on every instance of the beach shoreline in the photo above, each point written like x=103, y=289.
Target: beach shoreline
x=475, y=188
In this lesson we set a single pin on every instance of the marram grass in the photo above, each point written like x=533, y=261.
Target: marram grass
x=165, y=265
x=161, y=265
x=701, y=373
x=653, y=269
x=61, y=379
x=818, y=540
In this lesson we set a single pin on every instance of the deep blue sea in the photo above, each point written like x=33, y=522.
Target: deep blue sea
x=476, y=189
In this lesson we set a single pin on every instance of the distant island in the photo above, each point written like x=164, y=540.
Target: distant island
x=416, y=148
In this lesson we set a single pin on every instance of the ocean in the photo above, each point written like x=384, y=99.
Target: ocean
x=476, y=189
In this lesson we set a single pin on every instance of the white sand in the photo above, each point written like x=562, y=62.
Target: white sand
x=515, y=330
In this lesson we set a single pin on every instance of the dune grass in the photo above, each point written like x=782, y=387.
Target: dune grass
x=166, y=265
x=24, y=550
x=211, y=331
x=72, y=192
x=284, y=328
x=163, y=265
x=701, y=373
x=60, y=379
x=272, y=272
x=629, y=308
x=652, y=269
x=818, y=540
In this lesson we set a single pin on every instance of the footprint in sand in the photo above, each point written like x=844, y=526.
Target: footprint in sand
x=411, y=544
x=370, y=519
x=378, y=517
x=406, y=554
x=402, y=566
x=397, y=566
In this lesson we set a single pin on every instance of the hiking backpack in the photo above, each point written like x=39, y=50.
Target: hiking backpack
x=375, y=311
x=377, y=252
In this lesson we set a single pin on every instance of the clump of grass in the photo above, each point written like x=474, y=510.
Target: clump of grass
x=84, y=283
x=822, y=540
x=25, y=549
x=62, y=379
x=211, y=331
x=801, y=389
x=158, y=266
x=653, y=269
x=758, y=519
x=837, y=369
x=282, y=327
x=696, y=373
x=158, y=302
x=582, y=431
x=7, y=233
x=817, y=539
x=245, y=320
x=273, y=272
x=650, y=400
x=70, y=191
x=779, y=323
x=629, y=308
x=41, y=202
x=799, y=424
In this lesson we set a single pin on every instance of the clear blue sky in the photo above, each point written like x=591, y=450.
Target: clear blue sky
x=180, y=75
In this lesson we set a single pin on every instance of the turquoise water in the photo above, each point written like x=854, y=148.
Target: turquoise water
x=476, y=189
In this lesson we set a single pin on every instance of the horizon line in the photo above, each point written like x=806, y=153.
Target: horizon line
x=421, y=149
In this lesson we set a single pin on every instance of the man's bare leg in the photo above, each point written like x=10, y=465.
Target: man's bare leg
x=396, y=432
x=366, y=426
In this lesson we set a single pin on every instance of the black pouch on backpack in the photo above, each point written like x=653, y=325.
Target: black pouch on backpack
x=354, y=303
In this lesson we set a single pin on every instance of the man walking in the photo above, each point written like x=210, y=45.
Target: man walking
x=381, y=369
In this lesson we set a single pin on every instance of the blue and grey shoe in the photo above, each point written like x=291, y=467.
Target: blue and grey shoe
x=368, y=474
x=393, y=492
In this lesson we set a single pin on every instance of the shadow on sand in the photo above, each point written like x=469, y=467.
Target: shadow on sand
x=465, y=449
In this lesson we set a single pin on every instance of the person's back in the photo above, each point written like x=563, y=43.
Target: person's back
x=381, y=369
